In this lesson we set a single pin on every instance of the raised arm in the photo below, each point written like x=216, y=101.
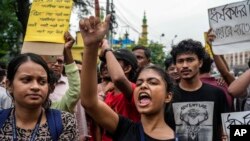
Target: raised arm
x=220, y=61
x=238, y=87
x=93, y=32
x=116, y=72
x=69, y=100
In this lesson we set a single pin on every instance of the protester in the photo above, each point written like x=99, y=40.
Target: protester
x=142, y=55
x=67, y=88
x=5, y=99
x=171, y=70
x=197, y=107
x=150, y=95
x=240, y=88
x=29, y=84
x=206, y=77
x=80, y=113
x=2, y=77
x=219, y=60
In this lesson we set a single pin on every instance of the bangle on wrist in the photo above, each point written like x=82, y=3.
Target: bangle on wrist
x=106, y=50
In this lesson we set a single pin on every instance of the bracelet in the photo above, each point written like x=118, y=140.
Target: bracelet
x=106, y=50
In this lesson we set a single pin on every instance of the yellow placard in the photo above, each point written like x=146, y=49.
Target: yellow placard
x=48, y=20
x=207, y=46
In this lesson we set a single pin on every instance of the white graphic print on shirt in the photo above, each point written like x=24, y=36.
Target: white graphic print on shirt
x=194, y=120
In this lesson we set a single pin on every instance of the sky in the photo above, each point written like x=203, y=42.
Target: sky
x=176, y=19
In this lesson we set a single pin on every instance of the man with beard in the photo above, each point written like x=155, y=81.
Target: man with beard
x=197, y=106
x=67, y=87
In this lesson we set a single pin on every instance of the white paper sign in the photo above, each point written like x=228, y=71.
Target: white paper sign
x=231, y=25
x=234, y=118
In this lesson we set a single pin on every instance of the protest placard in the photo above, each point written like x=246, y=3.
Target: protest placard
x=48, y=21
x=231, y=25
x=234, y=118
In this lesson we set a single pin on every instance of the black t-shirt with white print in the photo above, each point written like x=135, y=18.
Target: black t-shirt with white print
x=196, y=115
x=128, y=130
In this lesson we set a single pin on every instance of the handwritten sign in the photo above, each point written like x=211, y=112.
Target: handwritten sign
x=231, y=25
x=234, y=118
x=48, y=20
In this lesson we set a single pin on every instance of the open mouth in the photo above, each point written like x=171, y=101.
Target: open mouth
x=144, y=99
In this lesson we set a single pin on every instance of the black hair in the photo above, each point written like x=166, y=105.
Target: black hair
x=129, y=59
x=162, y=73
x=2, y=74
x=207, y=63
x=147, y=51
x=188, y=46
x=168, y=62
x=16, y=62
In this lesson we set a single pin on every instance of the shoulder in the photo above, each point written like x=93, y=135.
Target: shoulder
x=126, y=129
x=209, y=87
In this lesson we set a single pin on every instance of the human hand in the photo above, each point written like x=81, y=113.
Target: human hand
x=210, y=36
x=69, y=41
x=221, y=82
x=104, y=46
x=109, y=87
x=93, y=30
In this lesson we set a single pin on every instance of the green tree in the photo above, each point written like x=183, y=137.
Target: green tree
x=10, y=30
x=157, y=53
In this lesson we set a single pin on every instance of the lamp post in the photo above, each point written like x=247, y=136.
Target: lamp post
x=162, y=36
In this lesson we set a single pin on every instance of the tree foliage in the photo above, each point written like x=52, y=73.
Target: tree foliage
x=157, y=53
x=10, y=30
x=83, y=6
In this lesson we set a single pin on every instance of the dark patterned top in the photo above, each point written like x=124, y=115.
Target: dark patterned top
x=69, y=133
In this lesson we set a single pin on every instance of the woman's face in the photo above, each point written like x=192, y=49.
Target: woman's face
x=150, y=93
x=30, y=85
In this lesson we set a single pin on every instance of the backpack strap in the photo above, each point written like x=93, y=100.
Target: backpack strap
x=4, y=114
x=55, y=123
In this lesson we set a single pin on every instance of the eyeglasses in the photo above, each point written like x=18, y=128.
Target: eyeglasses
x=58, y=61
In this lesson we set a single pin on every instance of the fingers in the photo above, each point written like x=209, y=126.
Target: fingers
x=107, y=21
x=89, y=24
x=68, y=37
x=210, y=30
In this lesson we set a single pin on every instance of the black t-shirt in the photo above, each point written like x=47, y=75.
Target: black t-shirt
x=128, y=130
x=196, y=115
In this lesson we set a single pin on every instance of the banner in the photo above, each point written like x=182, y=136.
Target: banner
x=234, y=118
x=231, y=25
x=48, y=21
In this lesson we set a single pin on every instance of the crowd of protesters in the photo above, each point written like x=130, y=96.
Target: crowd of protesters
x=134, y=99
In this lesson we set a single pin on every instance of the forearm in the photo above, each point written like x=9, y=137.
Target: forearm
x=118, y=76
x=114, y=68
x=89, y=77
x=68, y=58
x=71, y=97
x=239, y=86
x=223, y=69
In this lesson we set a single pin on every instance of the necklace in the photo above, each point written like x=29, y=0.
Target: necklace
x=35, y=130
